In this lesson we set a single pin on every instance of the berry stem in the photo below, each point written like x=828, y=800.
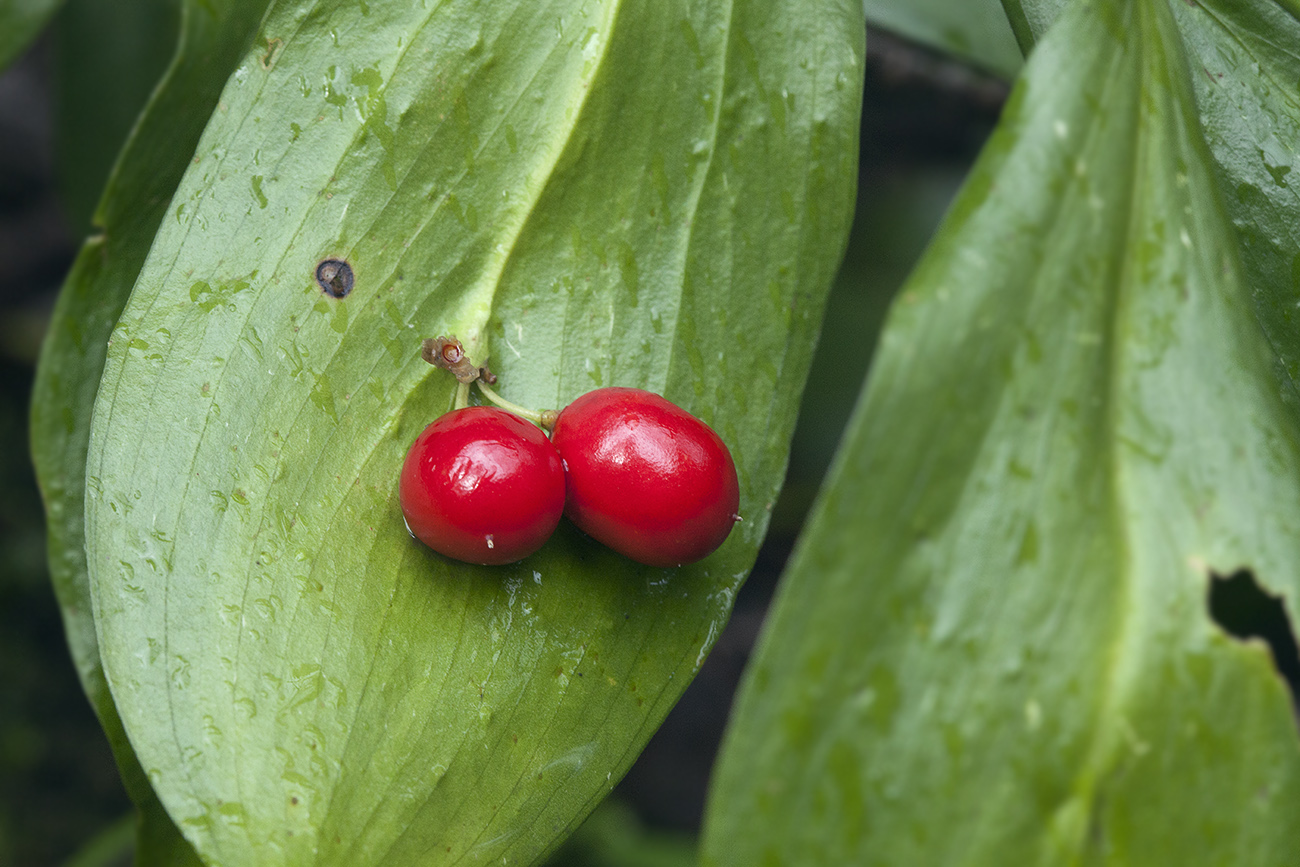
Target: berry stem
x=462, y=395
x=543, y=418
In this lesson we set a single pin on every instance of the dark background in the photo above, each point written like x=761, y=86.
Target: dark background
x=923, y=122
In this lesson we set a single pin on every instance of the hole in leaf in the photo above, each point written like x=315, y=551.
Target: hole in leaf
x=1244, y=610
x=335, y=277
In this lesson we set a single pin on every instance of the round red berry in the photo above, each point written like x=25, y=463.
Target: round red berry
x=482, y=486
x=645, y=477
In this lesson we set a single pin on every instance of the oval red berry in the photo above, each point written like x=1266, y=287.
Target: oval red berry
x=645, y=477
x=482, y=486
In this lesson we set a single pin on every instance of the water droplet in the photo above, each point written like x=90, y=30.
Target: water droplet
x=246, y=707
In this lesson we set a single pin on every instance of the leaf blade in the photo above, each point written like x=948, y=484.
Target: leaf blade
x=21, y=21
x=993, y=646
x=286, y=660
x=73, y=354
x=1250, y=120
x=130, y=45
x=977, y=32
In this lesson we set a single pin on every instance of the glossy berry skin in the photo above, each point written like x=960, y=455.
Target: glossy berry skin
x=482, y=486
x=645, y=477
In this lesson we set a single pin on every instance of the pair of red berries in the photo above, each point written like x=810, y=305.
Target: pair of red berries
x=629, y=468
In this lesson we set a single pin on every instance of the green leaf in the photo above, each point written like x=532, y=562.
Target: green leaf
x=1030, y=19
x=110, y=57
x=975, y=30
x=1250, y=60
x=597, y=193
x=993, y=644
x=213, y=38
x=613, y=836
x=108, y=848
x=20, y=22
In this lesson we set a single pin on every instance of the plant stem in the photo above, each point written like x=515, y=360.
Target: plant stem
x=462, y=395
x=536, y=417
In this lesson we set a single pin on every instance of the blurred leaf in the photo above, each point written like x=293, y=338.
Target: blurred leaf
x=20, y=22
x=612, y=836
x=993, y=645
x=1030, y=19
x=975, y=30
x=898, y=212
x=214, y=37
x=110, y=57
x=110, y=848
x=603, y=194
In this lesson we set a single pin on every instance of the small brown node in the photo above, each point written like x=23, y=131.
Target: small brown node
x=335, y=277
x=448, y=354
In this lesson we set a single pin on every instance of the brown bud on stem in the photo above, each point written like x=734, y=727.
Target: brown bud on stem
x=449, y=354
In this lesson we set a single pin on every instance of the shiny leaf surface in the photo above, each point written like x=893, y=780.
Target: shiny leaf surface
x=591, y=193
x=994, y=645
x=1250, y=56
x=214, y=36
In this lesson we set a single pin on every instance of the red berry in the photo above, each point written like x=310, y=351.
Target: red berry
x=646, y=477
x=483, y=486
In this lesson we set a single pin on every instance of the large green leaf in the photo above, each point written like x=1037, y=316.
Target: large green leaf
x=214, y=36
x=976, y=30
x=601, y=193
x=993, y=646
x=20, y=22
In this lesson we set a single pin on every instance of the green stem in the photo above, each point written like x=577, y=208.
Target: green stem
x=544, y=418
x=462, y=395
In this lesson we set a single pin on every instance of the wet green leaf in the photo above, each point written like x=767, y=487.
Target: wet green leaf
x=993, y=645
x=215, y=36
x=594, y=194
x=975, y=30
x=1249, y=93
x=20, y=22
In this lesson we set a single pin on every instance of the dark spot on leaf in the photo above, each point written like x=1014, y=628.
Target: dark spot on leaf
x=1244, y=610
x=335, y=277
